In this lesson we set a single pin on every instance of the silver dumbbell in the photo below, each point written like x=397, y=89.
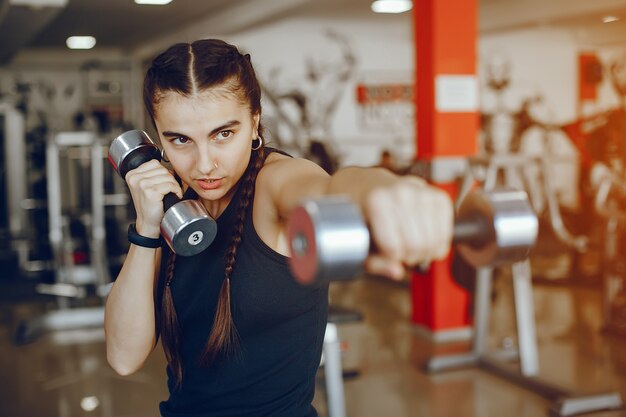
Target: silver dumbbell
x=329, y=240
x=186, y=226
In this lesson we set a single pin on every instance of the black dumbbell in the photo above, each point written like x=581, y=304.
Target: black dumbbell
x=329, y=240
x=186, y=226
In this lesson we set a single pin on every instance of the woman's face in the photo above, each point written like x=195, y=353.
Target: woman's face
x=207, y=138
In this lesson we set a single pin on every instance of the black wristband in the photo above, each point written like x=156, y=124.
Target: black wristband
x=146, y=242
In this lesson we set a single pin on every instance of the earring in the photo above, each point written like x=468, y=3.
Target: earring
x=260, y=143
x=164, y=157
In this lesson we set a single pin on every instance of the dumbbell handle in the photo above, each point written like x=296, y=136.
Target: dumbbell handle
x=472, y=230
x=139, y=157
x=169, y=200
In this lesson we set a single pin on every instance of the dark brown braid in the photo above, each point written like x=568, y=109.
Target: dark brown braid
x=168, y=326
x=224, y=337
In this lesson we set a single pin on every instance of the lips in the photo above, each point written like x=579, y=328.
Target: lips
x=209, y=183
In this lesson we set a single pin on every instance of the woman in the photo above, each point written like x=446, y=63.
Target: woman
x=240, y=336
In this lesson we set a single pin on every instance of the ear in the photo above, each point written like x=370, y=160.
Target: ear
x=256, y=119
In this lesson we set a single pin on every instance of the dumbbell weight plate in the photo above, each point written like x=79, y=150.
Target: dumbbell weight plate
x=328, y=240
x=514, y=226
x=131, y=149
x=187, y=229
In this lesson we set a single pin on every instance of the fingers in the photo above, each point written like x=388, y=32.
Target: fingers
x=154, y=180
x=437, y=223
x=411, y=224
x=419, y=234
x=148, y=184
x=382, y=217
x=379, y=265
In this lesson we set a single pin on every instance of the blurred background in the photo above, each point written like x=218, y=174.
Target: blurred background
x=528, y=94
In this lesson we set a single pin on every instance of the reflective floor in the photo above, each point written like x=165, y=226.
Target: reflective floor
x=65, y=374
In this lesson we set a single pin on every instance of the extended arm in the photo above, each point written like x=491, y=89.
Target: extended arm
x=411, y=221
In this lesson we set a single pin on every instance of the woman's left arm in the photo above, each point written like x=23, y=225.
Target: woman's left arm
x=410, y=221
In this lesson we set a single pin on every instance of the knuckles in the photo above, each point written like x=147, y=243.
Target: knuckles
x=418, y=239
x=138, y=178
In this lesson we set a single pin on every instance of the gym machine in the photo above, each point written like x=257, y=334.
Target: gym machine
x=13, y=186
x=22, y=229
x=71, y=278
x=610, y=190
x=329, y=241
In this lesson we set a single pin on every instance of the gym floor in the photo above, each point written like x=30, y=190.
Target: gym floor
x=65, y=374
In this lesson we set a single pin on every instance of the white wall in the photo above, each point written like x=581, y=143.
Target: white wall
x=384, y=53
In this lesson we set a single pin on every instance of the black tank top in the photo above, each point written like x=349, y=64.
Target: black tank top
x=280, y=324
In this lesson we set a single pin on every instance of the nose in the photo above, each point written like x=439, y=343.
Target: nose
x=205, y=161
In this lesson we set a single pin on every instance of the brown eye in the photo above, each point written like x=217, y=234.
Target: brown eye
x=179, y=140
x=224, y=134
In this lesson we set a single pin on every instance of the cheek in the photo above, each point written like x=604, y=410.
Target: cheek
x=181, y=164
x=237, y=162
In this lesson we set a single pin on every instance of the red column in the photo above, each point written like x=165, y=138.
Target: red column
x=447, y=128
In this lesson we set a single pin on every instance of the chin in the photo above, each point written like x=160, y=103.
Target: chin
x=210, y=194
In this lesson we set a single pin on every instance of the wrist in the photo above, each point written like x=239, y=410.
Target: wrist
x=149, y=231
x=138, y=239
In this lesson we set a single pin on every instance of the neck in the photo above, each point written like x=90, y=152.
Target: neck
x=217, y=207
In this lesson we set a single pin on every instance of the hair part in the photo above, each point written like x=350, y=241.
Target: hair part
x=206, y=65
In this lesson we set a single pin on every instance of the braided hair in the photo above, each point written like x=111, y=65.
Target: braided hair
x=189, y=69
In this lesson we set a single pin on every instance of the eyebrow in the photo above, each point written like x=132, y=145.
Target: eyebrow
x=227, y=125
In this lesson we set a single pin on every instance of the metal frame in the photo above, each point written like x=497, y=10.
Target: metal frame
x=21, y=232
x=15, y=160
x=607, y=206
x=70, y=278
x=564, y=402
x=333, y=373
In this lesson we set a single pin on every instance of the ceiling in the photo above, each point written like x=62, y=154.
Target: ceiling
x=119, y=23
x=122, y=24
x=114, y=23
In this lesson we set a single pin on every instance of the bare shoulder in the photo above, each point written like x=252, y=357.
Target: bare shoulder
x=282, y=183
x=287, y=180
x=279, y=161
x=281, y=170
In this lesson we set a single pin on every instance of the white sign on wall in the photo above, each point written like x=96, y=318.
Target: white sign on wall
x=456, y=93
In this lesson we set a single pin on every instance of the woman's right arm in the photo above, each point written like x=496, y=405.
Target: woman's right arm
x=129, y=320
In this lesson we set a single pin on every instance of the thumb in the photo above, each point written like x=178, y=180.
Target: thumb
x=379, y=265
